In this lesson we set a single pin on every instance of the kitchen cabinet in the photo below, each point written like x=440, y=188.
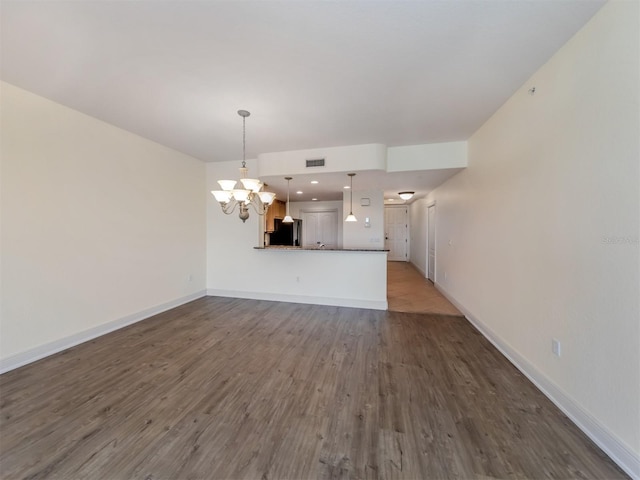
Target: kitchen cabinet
x=281, y=209
x=277, y=210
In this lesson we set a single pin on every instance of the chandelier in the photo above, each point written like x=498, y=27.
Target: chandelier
x=230, y=197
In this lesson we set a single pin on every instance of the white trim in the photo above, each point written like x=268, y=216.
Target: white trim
x=23, y=358
x=280, y=297
x=435, y=243
x=618, y=451
x=417, y=267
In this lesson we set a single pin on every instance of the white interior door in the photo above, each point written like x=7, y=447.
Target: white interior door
x=328, y=228
x=320, y=228
x=396, y=236
x=309, y=230
x=431, y=242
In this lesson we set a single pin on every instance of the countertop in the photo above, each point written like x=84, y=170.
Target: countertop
x=321, y=249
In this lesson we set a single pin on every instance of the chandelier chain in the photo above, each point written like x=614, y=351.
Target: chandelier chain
x=244, y=142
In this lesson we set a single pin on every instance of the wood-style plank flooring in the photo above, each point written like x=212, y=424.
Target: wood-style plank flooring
x=409, y=291
x=240, y=389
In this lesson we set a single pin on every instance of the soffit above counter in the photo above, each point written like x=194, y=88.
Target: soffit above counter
x=419, y=168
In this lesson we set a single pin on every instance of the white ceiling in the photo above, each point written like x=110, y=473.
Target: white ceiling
x=313, y=73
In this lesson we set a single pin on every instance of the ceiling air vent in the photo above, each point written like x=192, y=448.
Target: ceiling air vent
x=315, y=162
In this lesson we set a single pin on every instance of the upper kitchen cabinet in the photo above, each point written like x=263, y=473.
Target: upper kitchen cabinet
x=277, y=210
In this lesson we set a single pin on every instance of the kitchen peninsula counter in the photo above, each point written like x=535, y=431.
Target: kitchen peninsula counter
x=321, y=249
x=342, y=277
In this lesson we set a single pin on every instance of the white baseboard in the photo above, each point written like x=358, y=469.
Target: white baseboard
x=23, y=358
x=280, y=297
x=417, y=267
x=619, y=452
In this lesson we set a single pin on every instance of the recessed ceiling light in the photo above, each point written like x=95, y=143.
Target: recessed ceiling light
x=390, y=199
x=314, y=181
x=299, y=192
x=347, y=187
x=314, y=199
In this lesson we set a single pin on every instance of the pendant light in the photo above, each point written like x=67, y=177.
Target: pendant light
x=351, y=217
x=287, y=217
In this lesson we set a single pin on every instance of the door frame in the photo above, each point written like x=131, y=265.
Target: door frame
x=435, y=231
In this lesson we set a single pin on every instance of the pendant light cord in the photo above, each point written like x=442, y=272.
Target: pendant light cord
x=351, y=175
x=287, y=206
x=351, y=195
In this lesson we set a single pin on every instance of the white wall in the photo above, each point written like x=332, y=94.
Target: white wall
x=356, y=235
x=544, y=224
x=341, y=278
x=429, y=156
x=98, y=225
x=236, y=269
x=418, y=234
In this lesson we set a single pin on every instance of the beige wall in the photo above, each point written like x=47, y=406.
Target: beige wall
x=356, y=234
x=418, y=224
x=544, y=228
x=98, y=225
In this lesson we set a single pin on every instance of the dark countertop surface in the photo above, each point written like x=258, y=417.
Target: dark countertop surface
x=322, y=249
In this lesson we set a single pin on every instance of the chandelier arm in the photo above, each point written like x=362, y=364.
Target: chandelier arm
x=259, y=207
x=225, y=207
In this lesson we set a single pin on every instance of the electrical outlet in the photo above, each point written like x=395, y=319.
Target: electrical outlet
x=189, y=278
x=297, y=279
x=555, y=347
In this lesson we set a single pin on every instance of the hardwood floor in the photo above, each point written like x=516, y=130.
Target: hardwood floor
x=239, y=389
x=409, y=291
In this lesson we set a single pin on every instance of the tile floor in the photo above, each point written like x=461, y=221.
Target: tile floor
x=409, y=291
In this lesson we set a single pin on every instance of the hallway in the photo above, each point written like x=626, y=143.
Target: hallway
x=409, y=291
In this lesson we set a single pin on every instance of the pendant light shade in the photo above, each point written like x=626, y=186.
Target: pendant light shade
x=351, y=217
x=287, y=218
x=267, y=197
